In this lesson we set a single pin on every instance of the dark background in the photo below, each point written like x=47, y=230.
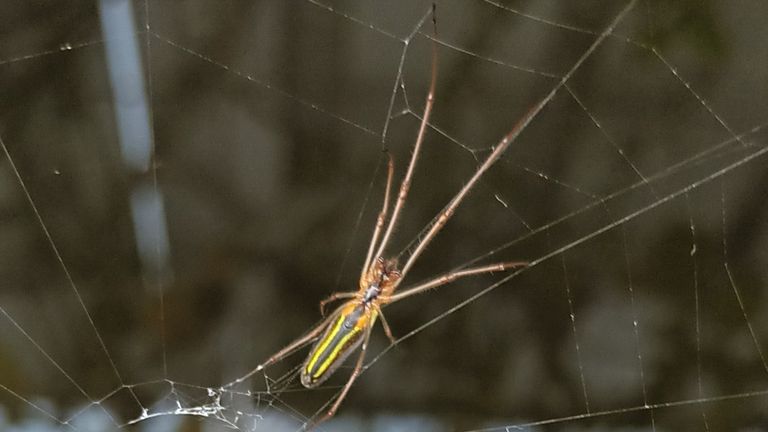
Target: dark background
x=268, y=119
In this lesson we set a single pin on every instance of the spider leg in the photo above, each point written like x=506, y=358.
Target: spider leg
x=450, y=277
x=441, y=219
x=288, y=349
x=387, y=329
x=405, y=185
x=352, y=378
x=382, y=217
x=333, y=297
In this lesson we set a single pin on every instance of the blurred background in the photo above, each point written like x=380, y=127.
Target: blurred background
x=182, y=182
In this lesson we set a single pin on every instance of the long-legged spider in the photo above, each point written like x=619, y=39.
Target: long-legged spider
x=349, y=326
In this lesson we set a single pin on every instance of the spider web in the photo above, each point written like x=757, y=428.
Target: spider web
x=142, y=285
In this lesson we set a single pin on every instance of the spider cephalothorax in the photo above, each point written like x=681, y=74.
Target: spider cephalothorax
x=380, y=280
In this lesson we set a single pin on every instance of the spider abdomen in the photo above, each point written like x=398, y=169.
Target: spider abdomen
x=339, y=340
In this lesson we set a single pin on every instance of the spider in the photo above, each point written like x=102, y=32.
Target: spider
x=349, y=326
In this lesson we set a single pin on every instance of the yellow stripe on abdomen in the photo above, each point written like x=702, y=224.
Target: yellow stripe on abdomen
x=337, y=343
x=335, y=350
x=321, y=346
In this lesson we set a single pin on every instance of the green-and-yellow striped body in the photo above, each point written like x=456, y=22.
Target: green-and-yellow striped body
x=343, y=336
